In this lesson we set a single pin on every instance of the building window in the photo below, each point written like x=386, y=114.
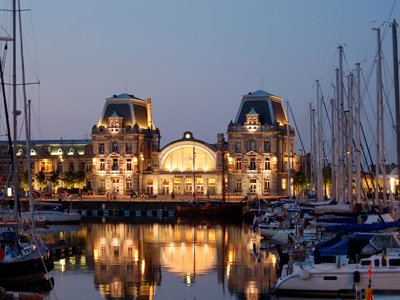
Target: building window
x=252, y=165
x=267, y=146
x=101, y=148
x=267, y=185
x=252, y=145
x=238, y=185
x=88, y=167
x=283, y=183
x=128, y=184
x=165, y=186
x=59, y=167
x=114, y=147
x=129, y=165
x=102, y=184
x=71, y=166
x=115, y=164
x=267, y=164
x=253, y=185
x=238, y=147
x=128, y=148
x=238, y=165
x=102, y=165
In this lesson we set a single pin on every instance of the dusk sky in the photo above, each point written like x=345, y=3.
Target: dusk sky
x=194, y=59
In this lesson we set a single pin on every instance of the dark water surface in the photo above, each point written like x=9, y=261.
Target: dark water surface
x=162, y=261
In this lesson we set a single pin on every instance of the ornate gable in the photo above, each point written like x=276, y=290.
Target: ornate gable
x=252, y=120
x=115, y=122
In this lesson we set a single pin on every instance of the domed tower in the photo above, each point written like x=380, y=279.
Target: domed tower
x=124, y=142
x=257, y=143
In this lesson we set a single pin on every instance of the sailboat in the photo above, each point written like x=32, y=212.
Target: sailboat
x=23, y=258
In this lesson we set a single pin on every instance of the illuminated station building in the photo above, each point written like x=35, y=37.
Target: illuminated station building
x=124, y=156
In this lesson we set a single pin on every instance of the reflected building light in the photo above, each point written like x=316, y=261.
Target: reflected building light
x=136, y=256
x=95, y=254
x=228, y=270
x=273, y=260
x=102, y=241
x=188, y=280
x=82, y=262
x=115, y=242
x=143, y=266
x=230, y=256
x=116, y=289
x=62, y=265
x=129, y=243
x=252, y=290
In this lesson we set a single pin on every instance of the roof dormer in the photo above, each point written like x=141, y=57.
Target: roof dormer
x=115, y=122
x=252, y=120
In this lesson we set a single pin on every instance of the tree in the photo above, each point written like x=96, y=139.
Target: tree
x=299, y=182
x=25, y=182
x=80, y=177
x=41, y=180
x=54, y=180
x=69, y=179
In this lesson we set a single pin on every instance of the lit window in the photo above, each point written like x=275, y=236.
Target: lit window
x=238, y=165
x=115, y=164
x=267, y=164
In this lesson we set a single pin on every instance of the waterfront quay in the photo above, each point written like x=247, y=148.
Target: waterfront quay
x=159, y=206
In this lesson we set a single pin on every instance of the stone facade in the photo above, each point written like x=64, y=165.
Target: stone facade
x=124, y=155
x=257, y=146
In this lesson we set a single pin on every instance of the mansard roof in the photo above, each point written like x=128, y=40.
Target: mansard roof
x=267, y=106
x=132, y=109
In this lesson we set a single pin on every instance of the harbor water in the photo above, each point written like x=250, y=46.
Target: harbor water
x=162, y=260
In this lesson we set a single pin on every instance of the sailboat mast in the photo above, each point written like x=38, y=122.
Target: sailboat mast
x=288, y=153
x=15, y=112
x=337, y=133
x=379, y=123
x=357, y=118
x=342, y=178
x=334, y=149
x=396, y=94
x=350, y=140
x=27, y=118
x=312, y=156
x=319, y=156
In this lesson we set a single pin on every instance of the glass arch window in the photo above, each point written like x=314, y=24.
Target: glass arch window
x=183, y=158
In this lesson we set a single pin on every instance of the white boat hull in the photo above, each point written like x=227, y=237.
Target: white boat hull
x=329, y=279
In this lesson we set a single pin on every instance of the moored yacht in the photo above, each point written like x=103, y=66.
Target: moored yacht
x=344, y=266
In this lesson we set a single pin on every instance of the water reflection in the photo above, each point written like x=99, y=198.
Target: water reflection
x=139, y=261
